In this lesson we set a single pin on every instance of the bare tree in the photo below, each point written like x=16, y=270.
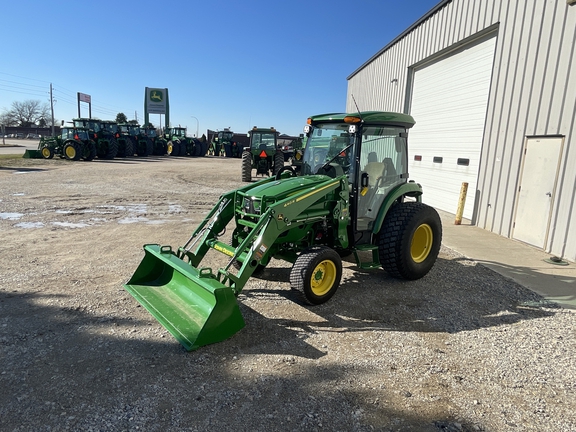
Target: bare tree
x=26, y=114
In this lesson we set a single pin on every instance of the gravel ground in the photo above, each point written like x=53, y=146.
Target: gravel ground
x=462, y=349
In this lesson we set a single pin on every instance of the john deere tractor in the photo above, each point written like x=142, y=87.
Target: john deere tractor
x=111, y=131
x=353, y=197
x=159, y=144
x=106, y=146
x=263, y=155
x=223, y=144
x=181, y=145
x=72, y=144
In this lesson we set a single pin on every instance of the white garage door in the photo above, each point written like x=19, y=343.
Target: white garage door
x=449, y=100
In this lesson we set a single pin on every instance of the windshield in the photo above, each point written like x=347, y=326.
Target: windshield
x=134, y=130
x=151, y=132
x=110, y=127
x=263, y=140
x=226, y=136
x=180, y=132
x=325, y=143
x=82, y=135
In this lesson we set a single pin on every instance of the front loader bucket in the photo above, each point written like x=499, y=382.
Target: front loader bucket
x=190, y=303
x=32, y=154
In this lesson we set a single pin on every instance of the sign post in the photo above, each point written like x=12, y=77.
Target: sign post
x=85, y=98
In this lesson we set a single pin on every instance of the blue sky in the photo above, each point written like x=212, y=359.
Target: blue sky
x=228, y=63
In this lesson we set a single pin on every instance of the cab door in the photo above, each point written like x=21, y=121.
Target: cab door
x=382, y=164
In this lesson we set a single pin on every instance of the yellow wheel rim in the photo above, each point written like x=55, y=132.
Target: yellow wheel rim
x=46, y=152
x=169, y=151
x=323, y=278
x=70, y=152
x=421, y=243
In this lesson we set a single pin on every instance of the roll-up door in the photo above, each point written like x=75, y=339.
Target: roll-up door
x=449, y=101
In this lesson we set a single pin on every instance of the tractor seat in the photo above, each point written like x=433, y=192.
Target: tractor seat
x=375, y=170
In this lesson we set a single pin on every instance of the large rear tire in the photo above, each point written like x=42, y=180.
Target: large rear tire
x=409, y=240
x=107, y=149
x=149, y=147
x=89, y=151
x=173, y=148
x=183, y=148
x=246, y=167
x=316, y=274
x=278, y=163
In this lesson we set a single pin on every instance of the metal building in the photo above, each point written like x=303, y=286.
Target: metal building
x=492, y=87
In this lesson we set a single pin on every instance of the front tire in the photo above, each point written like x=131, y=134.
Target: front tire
x=246, y=167
x=316, y=274
x=409, y=240
x=47, y=152
x=71, y=151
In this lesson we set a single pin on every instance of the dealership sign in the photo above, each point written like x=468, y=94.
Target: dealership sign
x=156, y=100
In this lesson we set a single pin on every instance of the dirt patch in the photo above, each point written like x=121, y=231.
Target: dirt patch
x=461, y=349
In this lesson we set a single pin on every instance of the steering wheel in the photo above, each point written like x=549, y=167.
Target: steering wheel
x=283, y=169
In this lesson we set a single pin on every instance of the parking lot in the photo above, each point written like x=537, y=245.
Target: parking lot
x=464, y=348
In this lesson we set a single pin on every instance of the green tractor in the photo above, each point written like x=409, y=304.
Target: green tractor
x=263, y=155
x=72, y=144
x=353, y=197
x=159, y=143
x=181, y=145
x=106, y=146
x=141, y=144
x=111, y=131
x=223, y=144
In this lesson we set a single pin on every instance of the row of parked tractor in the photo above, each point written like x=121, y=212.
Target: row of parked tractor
x=90, y=138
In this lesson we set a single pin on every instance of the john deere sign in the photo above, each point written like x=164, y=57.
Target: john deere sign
x=156, y=102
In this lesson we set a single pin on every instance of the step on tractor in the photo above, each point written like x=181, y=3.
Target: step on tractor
x=72, y=144
x=106, y=147
x=264, y=155
x=111, y=131
x=353, y=198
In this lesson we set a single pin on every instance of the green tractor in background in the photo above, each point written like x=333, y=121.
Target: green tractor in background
x=106, y=145
x=181, y=145
x=353, y=197
x=72, y=144
x=141, y=144
x=111, y=130
x=223, y=144
x=159, y=143
x=263, y=155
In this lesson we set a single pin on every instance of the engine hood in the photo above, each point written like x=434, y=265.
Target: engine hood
x=281, y=189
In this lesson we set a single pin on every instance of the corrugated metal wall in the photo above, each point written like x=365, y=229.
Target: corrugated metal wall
x=532, y=93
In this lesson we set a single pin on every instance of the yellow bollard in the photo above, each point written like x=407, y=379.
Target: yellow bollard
x=461, y=203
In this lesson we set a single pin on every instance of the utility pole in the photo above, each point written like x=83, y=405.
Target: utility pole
x=52, y=108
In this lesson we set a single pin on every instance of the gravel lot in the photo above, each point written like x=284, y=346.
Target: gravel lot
x=462, y=349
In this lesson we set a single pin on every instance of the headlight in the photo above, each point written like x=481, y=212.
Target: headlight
x=251, y=206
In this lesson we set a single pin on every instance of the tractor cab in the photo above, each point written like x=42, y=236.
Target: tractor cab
x=77, y=134
x=264, y=154
x=179, y=132
x=370, y=149
x=111, y=127
x=263, y=140
x=92, y=125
